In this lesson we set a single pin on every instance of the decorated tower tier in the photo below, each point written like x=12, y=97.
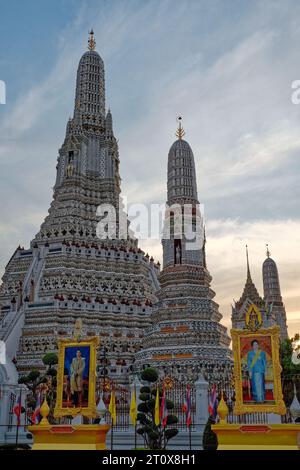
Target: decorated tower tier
x=186, y=337
x=68, y=272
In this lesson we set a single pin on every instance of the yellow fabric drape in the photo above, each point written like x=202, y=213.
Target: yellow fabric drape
x=133, y=408
x=112, y=407
x=254, y=360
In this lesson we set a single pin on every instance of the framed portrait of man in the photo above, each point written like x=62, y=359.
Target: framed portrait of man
x=257, y=371
x=76, y=378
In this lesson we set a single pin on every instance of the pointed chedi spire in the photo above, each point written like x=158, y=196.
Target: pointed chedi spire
x=181, y=190
x=109, y=122
x=272, y=291
x=90, y=88
x=88, y=150
x=185, y=293
x=248, y=267
x=250, y=292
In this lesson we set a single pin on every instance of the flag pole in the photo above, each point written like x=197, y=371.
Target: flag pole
x=112, y=435
x=135, y=426
x=17, y=434
x=112, y=423
x=19, y=418
x=113, y=404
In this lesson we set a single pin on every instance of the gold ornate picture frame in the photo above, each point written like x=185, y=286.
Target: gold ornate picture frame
x=241, y=341
x=76, y=377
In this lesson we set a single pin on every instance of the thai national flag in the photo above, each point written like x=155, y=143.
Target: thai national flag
x=37, y=411
x=187, y=406
x=163, y=409
x=213, y=402
x=18, y=410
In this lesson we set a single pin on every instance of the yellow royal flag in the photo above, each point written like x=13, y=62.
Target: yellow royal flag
x=156, y=411
x=112, y=407
x=133, y=408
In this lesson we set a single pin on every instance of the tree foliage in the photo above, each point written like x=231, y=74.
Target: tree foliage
x=44, y=383
x=290, y=356
x=289, y=350
x=155, y=437
x=149, y=375
x=50, y=359
x=209, y=440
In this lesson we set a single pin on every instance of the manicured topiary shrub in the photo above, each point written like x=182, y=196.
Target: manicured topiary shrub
x=155, y=437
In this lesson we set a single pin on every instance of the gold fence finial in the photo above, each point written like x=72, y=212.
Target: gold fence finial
x=45, y=410
x=180, y=131
x=222, y=410
x=91, y=41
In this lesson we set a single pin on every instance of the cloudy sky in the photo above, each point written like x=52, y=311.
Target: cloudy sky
x=226, y=66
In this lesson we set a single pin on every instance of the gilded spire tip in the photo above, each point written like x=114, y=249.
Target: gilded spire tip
x=91, y=41
x=180, y=131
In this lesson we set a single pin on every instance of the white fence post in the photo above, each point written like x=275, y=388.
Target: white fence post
x=201, y=394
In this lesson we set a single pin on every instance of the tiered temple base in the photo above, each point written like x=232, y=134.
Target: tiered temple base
x=258, y=436
x=69, y=437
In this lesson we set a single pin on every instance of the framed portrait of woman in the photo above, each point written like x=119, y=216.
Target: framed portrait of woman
x=76, y=378
x=257, y=371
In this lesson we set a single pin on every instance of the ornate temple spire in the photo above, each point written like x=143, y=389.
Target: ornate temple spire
x=250, y=292
x=109, y=122
x=182, y=184
x=185, y=335
x=248, y=267
x=272, y=292
x=90, y=87
x=182, y=197
x=88, y=163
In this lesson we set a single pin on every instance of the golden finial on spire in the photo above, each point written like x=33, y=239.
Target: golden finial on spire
x=91, y=41
x=180, y=131
x=268, y=251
